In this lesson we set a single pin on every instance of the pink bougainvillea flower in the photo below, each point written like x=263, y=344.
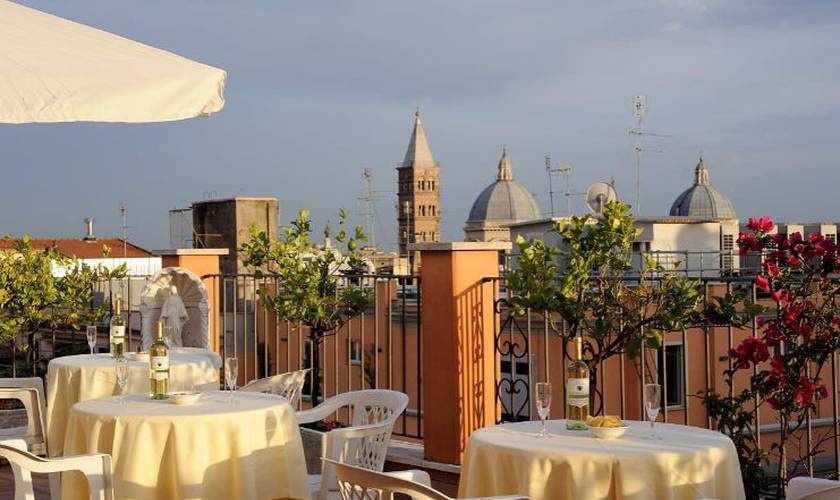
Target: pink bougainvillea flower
x=762, y=283
x=763, y=224
x=774, y=403
x=771, y=269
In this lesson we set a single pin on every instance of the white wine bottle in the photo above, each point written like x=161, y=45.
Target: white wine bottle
x=577, y=389
x=159, y=366
x=116, y=335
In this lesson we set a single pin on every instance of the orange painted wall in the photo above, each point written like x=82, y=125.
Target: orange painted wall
x=458, y=338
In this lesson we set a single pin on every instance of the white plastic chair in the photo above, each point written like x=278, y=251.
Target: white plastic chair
x=95, y=466
x=355, y=483
x=812, y=488
x=364, y=443
x=289, y=385
x=30, y=392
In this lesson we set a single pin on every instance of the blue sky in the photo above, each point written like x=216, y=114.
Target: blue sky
x=318, y=91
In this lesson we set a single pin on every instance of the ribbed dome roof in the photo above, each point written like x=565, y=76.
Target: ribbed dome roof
x=505, y=199
x=702, y=199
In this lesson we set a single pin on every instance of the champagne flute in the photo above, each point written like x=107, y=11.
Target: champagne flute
x=653, y=393
x=91, y=337
x=122, y=377
x=231, y=375
x=168, y=333
x=543, y=405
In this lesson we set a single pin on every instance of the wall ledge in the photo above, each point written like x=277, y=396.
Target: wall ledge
x=192, y=251
x=461, y=246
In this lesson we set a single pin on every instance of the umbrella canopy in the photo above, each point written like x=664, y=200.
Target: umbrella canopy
x=55, y=70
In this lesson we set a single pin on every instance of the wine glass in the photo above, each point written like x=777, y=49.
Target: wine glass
x=543, y=404
x=122, y=377
x=231, y=374
x=91, y=337
x=652, y=397
x=168, y=332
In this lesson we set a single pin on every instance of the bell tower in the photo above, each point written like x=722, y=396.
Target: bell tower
x=418, y=195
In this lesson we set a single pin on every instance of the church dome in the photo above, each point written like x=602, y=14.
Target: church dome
x=505, y=200
x=702, y=199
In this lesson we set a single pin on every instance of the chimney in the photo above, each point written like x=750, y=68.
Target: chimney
x=89, y=228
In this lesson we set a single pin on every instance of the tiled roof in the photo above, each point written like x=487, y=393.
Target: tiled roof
x=86, y=249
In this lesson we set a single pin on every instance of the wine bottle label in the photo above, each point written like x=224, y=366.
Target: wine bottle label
x=160, y=367
x=577, y=392
x=117, y=333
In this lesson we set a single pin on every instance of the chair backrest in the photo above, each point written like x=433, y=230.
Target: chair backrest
x=30, y=392
x=289, y=385
x=356, y=483
x=365, y=442
x=95, y=466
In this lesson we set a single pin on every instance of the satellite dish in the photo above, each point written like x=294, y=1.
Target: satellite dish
x=599, y=194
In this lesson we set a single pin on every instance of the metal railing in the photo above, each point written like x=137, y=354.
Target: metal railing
x=379, y=349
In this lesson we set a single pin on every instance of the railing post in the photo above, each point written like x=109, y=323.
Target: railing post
x=458, y=341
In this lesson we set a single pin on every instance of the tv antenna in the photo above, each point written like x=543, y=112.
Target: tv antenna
x=640, y=112
x=369, y=207
x=125, y=228
x=566, y=170
x=599, y=194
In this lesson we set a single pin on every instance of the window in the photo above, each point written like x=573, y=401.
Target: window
x=727, y=248
x=432, y=208
x=674, y=389
x=354, y=351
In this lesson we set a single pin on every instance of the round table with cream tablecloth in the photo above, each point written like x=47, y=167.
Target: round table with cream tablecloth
x=687, y=463
x=71, y=379
x=213, y=449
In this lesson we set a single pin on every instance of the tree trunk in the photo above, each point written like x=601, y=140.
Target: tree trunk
x=30, y=353
x=315, y=389
x=783, y=432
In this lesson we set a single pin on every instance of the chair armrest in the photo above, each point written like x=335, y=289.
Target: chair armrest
x=413, y=475
x=318, y=413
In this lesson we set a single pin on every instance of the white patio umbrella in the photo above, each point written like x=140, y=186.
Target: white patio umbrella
x=55, y=70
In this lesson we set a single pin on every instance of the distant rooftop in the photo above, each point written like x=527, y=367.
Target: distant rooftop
x=86, y=249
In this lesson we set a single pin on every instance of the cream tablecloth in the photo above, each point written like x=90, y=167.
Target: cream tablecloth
x=250, y=449
x=71, y=379
x=688, y=463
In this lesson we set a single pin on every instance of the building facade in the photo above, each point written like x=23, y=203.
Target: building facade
x=418, y=195
x=226, y=223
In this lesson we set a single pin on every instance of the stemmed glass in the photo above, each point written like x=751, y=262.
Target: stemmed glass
x=122, y=377
x=652, y=397
x=168, y=331
x=231, y=375
x=91, y=337
x=543, y=405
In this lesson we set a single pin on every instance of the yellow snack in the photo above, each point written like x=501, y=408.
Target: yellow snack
x=604, y=421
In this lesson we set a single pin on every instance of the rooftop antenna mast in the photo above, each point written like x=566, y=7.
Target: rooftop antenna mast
x=368, y=201
x=566, y=170
x=640, y=112
x=124, y=217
